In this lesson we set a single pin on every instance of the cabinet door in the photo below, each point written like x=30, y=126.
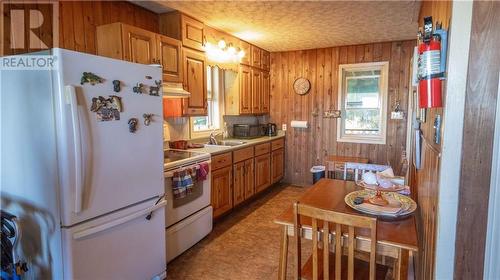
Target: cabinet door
x=222, y=195
x=195, y=81
x=192, y=33
x=256, y=57
x=266, y=88
x=262, y=172
x=238, y=183
x=256, y=91
x=277, y=165
x=245, y=90
x=247, y=48
x=249, y=178
x=139, y=45
x=266, y=60
x=170, y=57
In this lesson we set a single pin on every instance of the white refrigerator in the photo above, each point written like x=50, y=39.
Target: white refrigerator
x=95, y=145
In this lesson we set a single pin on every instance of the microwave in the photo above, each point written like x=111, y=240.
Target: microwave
x=248, y=131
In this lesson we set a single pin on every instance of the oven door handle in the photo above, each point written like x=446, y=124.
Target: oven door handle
x=170, y=174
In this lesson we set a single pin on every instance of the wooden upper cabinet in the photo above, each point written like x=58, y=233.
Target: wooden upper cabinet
x=222, y=191
x=246, y=47
x=256, y=56
x=245, y=90
x=277, y=165
x=195, y=82
x=266, y=60
x=185, y=28
x=139, y=45
x=265, y=92
x=256, y=91
x=262, y=172
x=170, y=57
x=192, y=33
x=125, y=42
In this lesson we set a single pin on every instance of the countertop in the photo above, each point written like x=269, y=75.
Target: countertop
x=214, y=150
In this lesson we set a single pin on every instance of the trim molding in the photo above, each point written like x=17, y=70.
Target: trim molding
x=492, y=252
x=451, y=152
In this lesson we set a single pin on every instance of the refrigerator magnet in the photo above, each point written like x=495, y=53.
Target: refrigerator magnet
x=132, y=125
x=116, y=85
x=138, y=88
x=147, y=119
x=91, y=78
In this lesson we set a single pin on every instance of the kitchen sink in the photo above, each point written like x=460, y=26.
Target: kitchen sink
x=226, y=143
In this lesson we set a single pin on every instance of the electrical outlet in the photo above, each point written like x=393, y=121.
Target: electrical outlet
x=283, y=127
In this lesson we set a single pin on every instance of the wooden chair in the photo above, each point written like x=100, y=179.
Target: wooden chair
x=361, y=168
x=322, y=222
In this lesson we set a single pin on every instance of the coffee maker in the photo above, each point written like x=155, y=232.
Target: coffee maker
x=271, y=129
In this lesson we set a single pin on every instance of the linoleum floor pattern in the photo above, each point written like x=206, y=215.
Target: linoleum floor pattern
x=243, y=245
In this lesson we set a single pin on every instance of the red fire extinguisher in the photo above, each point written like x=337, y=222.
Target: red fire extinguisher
x=429, y=72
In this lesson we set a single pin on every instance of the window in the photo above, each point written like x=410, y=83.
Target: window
x=204, y=125
x=363, y=103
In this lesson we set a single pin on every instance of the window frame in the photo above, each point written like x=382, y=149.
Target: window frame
x=219, y=91
x=380, y=138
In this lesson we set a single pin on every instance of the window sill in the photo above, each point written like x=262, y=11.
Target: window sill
x=203, y=133
x=362, y=140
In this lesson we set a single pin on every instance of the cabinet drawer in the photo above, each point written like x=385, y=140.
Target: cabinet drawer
x=277, y=144
x=243, y=154
x=223, y=160
x=262, y=149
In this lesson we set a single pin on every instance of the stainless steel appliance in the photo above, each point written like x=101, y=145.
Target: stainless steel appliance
x=188, y=219
x=248, y=131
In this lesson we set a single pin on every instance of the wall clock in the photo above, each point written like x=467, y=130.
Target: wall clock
x=301, y=86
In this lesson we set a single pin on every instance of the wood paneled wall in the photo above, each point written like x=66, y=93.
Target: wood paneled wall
x=480, y=105
x=307, y=147
x=425, y=181
x=79, y=19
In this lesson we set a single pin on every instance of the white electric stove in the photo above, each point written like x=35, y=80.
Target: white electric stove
x=188, y=219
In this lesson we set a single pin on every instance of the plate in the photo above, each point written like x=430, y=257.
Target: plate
x=408, y=205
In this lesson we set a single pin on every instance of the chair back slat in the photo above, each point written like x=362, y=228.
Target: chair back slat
x=327, y=217
x=315, y=247
x=350, y=258
x=338, y=250
x=326, y=250
x=362, y=168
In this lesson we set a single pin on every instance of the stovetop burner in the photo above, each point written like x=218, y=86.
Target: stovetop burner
x=174, y=158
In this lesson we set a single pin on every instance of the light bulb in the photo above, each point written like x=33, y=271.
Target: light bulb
x=241, y=53
x=231, y=50
x=221, y=44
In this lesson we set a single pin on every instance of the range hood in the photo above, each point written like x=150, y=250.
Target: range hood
x=174, y=90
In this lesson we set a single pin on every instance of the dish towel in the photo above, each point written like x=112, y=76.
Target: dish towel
x=203, y=170
x=182, y=183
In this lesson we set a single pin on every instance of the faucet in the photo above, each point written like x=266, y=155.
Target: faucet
x=212, y=140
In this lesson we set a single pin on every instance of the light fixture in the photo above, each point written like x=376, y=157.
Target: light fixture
x=223, y=52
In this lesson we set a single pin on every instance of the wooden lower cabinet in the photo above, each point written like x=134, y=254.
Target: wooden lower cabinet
x=262, y=172
x=243, y=182
x=222, y=191
x=277, y=165
x=249, y=178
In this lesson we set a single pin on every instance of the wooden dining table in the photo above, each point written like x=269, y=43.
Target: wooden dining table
x=395, y=237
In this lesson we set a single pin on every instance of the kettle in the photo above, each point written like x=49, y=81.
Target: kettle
x=271, y=129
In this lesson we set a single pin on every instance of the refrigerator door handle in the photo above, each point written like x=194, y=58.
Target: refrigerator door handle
x=75, y=122
x=96, y=229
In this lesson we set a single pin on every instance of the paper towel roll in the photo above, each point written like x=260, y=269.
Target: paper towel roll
x=299, y=124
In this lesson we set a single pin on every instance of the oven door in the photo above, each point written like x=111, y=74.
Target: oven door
x=178, y=209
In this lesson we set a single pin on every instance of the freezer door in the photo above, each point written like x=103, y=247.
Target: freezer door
x=103, y=166
x=122, y=245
